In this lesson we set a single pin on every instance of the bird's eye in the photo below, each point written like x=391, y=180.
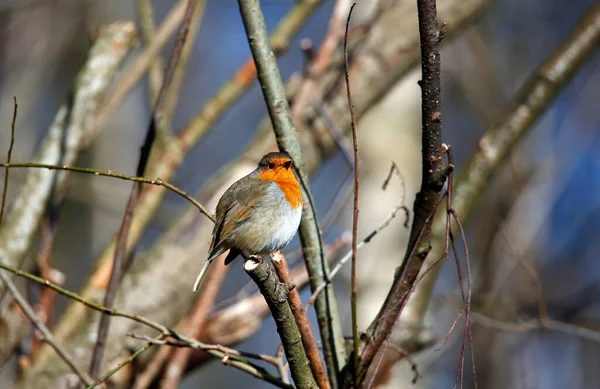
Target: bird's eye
x=271, y=165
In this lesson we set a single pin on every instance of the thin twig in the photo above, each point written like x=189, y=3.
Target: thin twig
x=136, y=190
x=308, y=340
x=10, y=148
x=178, y=77
x=319, y=64
x=353, y=297
x=47, y=297
x=123, y=363
x=155, y=71
x=230, y=357
x=338, y=266
x=109, y=173
x=41, y=327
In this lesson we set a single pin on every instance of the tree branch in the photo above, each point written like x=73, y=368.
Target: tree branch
x=287, y=140
x=308, y=339
x=380, y=62
x=276, y=296
x=434, y=173
x=215, y=350
x=526, y=106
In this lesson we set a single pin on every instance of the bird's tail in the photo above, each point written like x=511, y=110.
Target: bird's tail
x=202, y=273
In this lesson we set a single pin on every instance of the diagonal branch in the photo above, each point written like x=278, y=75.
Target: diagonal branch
x=29, y=312
x=71, y=125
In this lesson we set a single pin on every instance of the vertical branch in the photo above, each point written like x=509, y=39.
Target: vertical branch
x=308, y=339
x=9, y=156
x=355, y=217
x=526, y=106
x=118, y=261
x=155, y=71
x=287, y=140
x=434, y=172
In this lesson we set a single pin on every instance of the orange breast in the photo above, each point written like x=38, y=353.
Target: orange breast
x=287, y=182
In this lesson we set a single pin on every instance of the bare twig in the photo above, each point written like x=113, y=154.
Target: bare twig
x=28, y=310
x=353, y=297
x=308, y=339
x=319, y=63
x=230, y=357
x=338, y=266
x=109, y=173
x=276, y=296
x=47, y=297
x=136, y=190
x=287, y=140
x=10, y=147
x=173, y=92
x=433, y=177
x=155, y=71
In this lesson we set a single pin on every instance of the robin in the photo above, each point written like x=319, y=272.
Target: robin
x=258, y=214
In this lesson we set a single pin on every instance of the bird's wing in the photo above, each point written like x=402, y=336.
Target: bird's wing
x=235, y=208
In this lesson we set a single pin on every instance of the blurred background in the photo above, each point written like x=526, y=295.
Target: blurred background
x=534, y=229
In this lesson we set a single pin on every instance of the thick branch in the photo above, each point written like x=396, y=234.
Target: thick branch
x=276, y=296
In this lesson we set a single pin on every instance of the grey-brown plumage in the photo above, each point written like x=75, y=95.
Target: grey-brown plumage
x=254, y=216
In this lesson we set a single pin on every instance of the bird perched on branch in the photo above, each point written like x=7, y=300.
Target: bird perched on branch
x=258, y=214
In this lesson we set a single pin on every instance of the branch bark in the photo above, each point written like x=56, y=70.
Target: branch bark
x=434, y=173
x=308, y=339
x=276, y=296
